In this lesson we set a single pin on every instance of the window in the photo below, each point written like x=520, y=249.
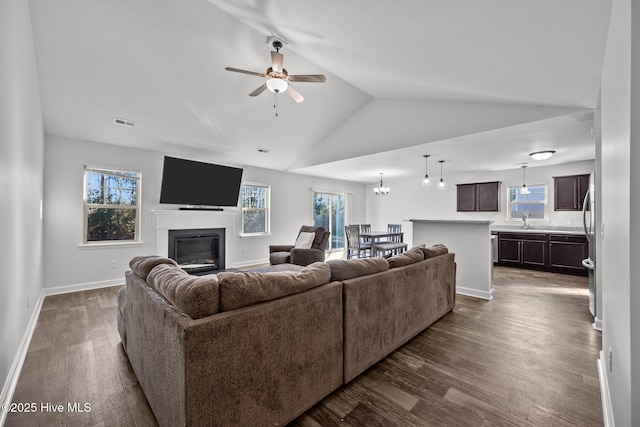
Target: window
x=255, y=209
x=111, y=205
x=532, y=205
x=329, y=212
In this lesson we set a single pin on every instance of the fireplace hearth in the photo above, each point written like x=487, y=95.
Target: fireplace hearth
x=198, y=251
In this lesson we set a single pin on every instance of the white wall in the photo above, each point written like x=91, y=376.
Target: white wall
x=68, y=265
x=617, y=213
x=21, y=154
x=409, y=200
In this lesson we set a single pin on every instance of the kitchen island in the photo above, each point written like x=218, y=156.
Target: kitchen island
x=470, y=240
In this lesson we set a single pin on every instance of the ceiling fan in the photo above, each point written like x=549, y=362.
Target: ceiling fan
x=278, y=79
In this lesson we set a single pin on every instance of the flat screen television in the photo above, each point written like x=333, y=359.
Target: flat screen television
x=188, y=182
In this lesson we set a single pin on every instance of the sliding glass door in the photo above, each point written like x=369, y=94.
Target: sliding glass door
x=329, y=212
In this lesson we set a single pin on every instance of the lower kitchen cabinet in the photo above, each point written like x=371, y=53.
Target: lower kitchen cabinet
x=566, y=254
x=558, y=253
x=523, y=250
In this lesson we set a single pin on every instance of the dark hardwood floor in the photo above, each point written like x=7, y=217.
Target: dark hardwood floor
x=527, y=358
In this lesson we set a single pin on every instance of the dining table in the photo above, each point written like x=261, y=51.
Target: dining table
x=374, y=237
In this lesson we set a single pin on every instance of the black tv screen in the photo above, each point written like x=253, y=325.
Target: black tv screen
x=187, y=182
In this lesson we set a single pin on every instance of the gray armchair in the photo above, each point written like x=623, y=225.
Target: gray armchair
x=280, y=254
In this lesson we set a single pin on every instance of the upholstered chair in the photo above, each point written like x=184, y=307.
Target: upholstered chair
x=309, y=248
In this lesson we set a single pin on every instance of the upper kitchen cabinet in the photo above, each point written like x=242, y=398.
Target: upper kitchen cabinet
x=479, y=197
x=569, y=192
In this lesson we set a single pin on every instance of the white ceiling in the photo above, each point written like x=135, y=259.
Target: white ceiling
x=478, y=84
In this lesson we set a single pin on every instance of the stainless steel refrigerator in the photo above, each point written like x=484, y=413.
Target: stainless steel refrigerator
x=589, y=222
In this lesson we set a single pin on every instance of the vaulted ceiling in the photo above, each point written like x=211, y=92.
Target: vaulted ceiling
x=479, y=84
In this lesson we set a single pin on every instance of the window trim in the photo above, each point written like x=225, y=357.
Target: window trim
x=86, y=206
x=267, y=209
x=545, y=203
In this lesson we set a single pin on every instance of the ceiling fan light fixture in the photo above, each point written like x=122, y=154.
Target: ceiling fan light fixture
x=277, y=85
x=542, y=155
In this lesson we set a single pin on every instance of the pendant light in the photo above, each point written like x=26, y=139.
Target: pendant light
x=381, y=191
x=426, y=182
x=441, y=183
x=524, y=189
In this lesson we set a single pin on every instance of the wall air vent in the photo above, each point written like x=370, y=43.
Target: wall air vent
x=123, y=122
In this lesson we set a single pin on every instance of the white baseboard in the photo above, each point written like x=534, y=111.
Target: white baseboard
x=250, y=263
x=475, y=293
x=83, y=286
x=16, y=367
x=607, y=410
x=597, y=324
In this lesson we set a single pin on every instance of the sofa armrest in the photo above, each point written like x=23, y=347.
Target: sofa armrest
x=280, y=248
x=306, y=256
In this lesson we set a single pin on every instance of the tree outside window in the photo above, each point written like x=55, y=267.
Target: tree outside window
x=329, y=212
x=111, y=205
x=255, y=209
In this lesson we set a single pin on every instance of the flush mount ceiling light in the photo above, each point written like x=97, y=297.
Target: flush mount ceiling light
x=426, y=182
x=441, y=183
x=381, y=191
x=542, y=155
x=524, y=189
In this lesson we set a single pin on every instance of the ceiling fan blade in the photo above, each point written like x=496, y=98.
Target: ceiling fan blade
x=237, y=70
x=258, y=91
x=277, y=60
x=313, y=78
x=294, y=94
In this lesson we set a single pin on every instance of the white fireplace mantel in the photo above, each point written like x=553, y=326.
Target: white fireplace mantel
x=184, y=220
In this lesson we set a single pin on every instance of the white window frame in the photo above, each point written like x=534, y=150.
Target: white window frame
x=134, y=175
x=545, y=203
x=266, y=209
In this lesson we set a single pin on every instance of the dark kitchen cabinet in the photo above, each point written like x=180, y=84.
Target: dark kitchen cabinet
x=569, y=192
x=523, y=250
x=478, y=197
x=566, y=254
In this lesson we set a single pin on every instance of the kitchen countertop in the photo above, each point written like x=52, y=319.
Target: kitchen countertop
x=538, y=229
x=454, y=221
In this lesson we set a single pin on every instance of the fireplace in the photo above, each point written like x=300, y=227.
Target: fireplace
x=198, y=251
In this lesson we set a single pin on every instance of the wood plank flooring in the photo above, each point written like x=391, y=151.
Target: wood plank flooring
x=527, y=358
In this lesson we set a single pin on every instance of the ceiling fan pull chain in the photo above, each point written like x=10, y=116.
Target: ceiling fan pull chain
x=275, y=102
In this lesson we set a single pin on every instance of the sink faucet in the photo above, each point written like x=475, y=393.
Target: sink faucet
x=524, y=222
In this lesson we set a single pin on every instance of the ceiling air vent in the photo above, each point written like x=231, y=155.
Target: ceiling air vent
x=123, y=122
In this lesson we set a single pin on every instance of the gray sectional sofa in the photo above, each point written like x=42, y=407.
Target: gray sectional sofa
x=261, y=347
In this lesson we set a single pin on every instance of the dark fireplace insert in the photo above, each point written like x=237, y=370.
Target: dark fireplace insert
x=198, y=251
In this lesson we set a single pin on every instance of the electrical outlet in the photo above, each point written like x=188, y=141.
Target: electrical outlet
x=610, y=360
x=113, y=263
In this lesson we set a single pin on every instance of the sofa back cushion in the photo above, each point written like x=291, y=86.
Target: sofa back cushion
x=435, y=250
x=142, y=265
x=409, y=257
x=342, y=269
x=195, y=296
x=246, y=288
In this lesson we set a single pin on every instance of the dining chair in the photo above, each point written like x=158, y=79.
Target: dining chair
x=365, y=229
x=354, y=245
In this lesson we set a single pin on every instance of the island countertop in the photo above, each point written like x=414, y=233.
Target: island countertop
x=538, y=229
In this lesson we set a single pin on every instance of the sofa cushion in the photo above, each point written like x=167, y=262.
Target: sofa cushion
x=246, y=288
x=142, y=265
x=435, y=250
x=305, y=240
x=345, y=269
x=195, y=296
x=409, y=257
